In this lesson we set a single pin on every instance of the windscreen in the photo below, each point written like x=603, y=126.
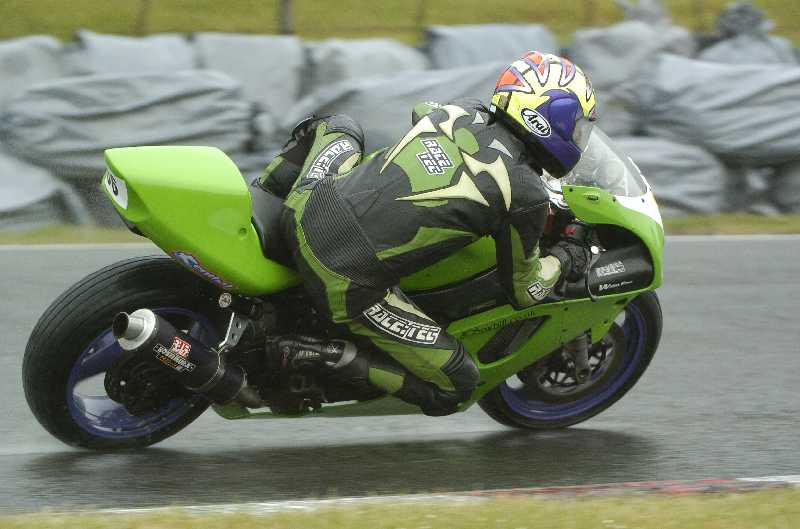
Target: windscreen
x=603, y=165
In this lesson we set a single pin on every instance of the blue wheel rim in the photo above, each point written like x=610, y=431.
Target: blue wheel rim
x=101, y=416
x=635, y=336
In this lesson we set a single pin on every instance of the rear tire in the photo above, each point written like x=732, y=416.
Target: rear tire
x=63, y=339
x=526, y=408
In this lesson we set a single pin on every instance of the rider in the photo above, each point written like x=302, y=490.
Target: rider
x=463, y=171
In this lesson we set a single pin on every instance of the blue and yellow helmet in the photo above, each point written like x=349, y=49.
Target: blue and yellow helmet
x=549, y=103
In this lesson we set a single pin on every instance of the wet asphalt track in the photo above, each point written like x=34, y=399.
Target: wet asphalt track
x=721, y=399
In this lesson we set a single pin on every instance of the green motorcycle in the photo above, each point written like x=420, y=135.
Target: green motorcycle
x=112, y=363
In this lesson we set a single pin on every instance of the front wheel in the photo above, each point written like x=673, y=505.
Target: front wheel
x=72, y=347
x=546, y=395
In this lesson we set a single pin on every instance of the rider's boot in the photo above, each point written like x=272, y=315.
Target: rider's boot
x=343, y=360
x=340, y=358
x=304, y=353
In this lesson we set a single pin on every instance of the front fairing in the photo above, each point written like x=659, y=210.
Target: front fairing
x=607, y=187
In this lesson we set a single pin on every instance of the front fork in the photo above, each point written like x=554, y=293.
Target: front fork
x=577, y=350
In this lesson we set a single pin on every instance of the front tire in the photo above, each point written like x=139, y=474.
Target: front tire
x=72, y=346
x=527, y=403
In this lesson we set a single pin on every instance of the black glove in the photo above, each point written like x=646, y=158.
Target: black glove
x=572, y=252
x=296, y=149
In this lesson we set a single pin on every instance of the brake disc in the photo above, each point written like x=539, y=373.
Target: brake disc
x=554, y=379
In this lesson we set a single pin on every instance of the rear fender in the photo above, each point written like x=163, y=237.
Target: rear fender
x=194, y=204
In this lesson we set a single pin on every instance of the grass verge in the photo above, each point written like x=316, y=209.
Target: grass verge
x=755, y=510
x=713, y=225
x=733, y=224
x=315, y=19
x=69, y=235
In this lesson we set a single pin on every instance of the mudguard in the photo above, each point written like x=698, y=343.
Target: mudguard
x=194, y=204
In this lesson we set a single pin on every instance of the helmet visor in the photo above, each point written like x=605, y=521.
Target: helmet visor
x=605, y=166
x=582, y=133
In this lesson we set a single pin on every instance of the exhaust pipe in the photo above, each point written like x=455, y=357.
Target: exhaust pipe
x=189, y=361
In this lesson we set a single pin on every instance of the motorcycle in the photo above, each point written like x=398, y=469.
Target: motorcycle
x=120, y=360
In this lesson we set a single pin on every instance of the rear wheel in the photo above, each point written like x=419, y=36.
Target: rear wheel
x=547, y=394
x=72, y=347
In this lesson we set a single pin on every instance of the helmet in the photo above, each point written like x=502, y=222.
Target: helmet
x=548, y=103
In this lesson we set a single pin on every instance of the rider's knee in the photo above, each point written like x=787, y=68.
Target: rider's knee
x=431, y=399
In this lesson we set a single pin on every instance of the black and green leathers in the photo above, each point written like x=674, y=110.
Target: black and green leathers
x=456, y=176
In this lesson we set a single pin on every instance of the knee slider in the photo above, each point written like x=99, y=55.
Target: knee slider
x=431, y=399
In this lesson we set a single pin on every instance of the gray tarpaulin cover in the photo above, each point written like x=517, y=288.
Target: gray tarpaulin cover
x=95, y=53
x=752, y=49
x=743, y=113
x=383, y=105
x=66, y=124
x=29, y=196
x=685, y=179
x=27, y=61
x=786, y=188
x=745, y=30
x=335, y=60
x=614, y=56
x=748, y=190
x=269, y=67
x=649, y=11
x=456, y=46
x=616, y=116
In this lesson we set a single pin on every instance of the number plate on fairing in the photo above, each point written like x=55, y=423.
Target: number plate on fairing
x=116, y=189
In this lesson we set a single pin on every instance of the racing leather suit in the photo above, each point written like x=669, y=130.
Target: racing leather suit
x=356, y=227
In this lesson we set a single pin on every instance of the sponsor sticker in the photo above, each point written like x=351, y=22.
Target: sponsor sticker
x=117, y=188
x=180, y=347
x=614, y=286
x=499, y=324
x=611, y=269
x=433, y=158
x=538, y=292
x=401, y=327
x=536, y=122
x=173, y=360
x=322, y=164
x=192, y=263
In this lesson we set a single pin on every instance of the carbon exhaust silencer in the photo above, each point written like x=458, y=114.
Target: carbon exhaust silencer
x=190, y=362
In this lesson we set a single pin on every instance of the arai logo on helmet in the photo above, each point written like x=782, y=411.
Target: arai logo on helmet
x=536, y=122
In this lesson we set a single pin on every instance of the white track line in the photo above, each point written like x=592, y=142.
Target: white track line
x=794, y=480
x=259, y=508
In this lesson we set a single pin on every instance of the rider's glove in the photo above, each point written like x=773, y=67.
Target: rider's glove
x=572, y=253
